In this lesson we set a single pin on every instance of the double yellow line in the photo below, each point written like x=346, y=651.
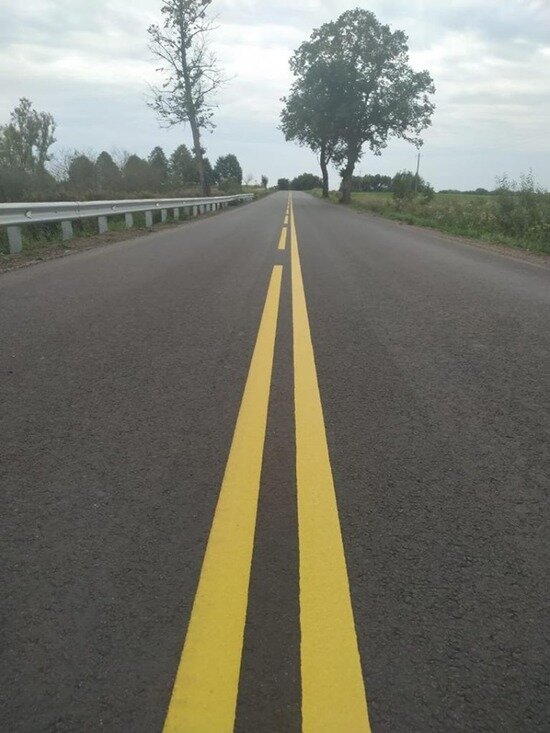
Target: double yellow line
x=204, y=697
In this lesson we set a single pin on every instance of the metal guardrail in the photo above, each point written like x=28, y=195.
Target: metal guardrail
x=16, y=215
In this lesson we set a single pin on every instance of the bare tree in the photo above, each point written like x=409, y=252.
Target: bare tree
x=191, y=72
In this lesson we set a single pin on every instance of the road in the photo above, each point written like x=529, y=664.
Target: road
x=275, y=482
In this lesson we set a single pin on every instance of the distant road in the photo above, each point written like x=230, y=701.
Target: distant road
x=276, y=472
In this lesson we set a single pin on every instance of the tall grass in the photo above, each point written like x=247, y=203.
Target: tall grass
x=517, y=214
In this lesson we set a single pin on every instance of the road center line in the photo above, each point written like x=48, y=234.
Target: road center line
x=204, y=696
x=333, y=691
x=282, y=240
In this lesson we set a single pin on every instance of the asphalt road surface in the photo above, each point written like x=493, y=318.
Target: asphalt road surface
x=270, y=479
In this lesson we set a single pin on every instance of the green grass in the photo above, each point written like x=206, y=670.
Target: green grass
x=476, y=216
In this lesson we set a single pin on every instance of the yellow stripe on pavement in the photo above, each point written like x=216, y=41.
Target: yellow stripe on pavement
x=282, y=240
x=333, y=692
x=204, y=697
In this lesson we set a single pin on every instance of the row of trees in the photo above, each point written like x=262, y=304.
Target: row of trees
x=405, y=185
x=354, y=88
x=156, y=173
x=28, y=169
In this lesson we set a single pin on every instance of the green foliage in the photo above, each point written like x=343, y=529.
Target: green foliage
x=523, y=209
x=136, y=174
x=208, y=172
x=283, y=184
x=360, y=71
x=310, y=113
x=82, y=173
x=18, y=185
x=158, y=167
x=371, y=183
x=230, y=187
x=228, y=168
x=182, y=167
x=306, y=182
x=265, y=181
x=109, y=177
x=518, y=214
x=406, y=186
x=26, y=140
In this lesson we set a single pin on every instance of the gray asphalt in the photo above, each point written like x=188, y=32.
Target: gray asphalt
x=121, y=374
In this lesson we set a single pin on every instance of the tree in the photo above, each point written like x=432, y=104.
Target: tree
x=310, y=114
x=182, y=168
x=108, y=173
x=375, y=94
x=82, y=174
x=406, y=185
x=265, y=181
x=158, y=168
x=209, y=176
x=191, y=72
x=306, y=182
x=26, y=140
x=228, y=168
x=136, y=174
x=283, y=184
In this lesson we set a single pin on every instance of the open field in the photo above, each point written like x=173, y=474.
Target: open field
x=510, y=220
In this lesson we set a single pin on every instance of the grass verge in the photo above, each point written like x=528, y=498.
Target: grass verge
x=463, y=215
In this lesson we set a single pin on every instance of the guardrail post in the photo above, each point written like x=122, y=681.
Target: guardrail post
x=176, y=214
x=103, y=224
x=195, y=210
x=15, y=240
x=129, y=220
x=149, y=219
x=66, y=230
x=163, y=215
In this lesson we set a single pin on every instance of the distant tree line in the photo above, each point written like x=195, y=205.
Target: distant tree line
x=28, y=171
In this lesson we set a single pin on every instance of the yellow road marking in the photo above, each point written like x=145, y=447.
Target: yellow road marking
x=282, y=240
x=333, y=692
x=204, y=697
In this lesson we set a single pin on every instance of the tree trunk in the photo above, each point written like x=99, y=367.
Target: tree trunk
x=346, y=186
x=347, y=175
x=191, y=113
x=204, y=184
x=324, y=170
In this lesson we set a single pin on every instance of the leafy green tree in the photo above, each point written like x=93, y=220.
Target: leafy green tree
x=228, y=168
x=158, y=168
x=265, y=181
x=283, y=184
x=190, y=70
x=406, y=185
x=182, y=169
x=82, y=174
x=209, y=175
x=311, y=111
x=306, y=182
x=136, y=174
x=374, y=91
x=26, y=140
x=109, y=177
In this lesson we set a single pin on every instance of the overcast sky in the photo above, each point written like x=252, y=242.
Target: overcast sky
x=87, y=62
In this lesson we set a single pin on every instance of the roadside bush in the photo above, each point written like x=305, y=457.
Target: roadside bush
x=231, y=187
x=406, y=186
x=523, y=210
